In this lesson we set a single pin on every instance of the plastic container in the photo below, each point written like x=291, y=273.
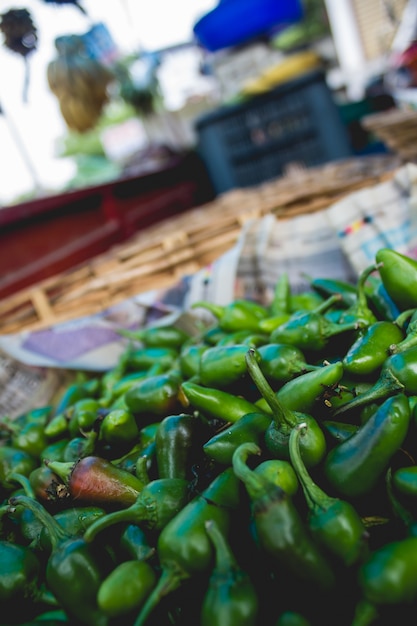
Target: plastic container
x=234, y=22
x=246, y=144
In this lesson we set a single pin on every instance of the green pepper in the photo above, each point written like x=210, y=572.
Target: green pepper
x=277, y=434
x=81, y=388
x=14, y=460
x=157, y=336
x=238, y=315
x=279, y=528
x=145, y=358
x=135, y=544
x=231, y=597
x=97, y=481
x=369, y=351
x=122, y=386
x=189, y=359
x=159, y=501
x=20, y=577
x=281, y=362
x=249, y=427
x=126, y=588
x=54, y=451
x=215, y=403
x=360, y=311
x=354, y=466
x=387, y=578
x=156, y=396
x=399, y=275
x=398, y=375
x=74, y=571
x=379, y=299
x=269, y=324
x=179, y=440
x=327, y=287
x=280, y=473
x=184, y=549
x=281, y=299
x=335, y=523
x=311, y=330
x=305, y=301
x=119, y=428
x=221, y=366
x=308, y=392
x=74, y=521
x=81, y=446
x=408, y=320
x=404, y=480
x=339, y=431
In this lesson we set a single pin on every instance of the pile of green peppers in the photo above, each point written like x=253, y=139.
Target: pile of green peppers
x=260, y=473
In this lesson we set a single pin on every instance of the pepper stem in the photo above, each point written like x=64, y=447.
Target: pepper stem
x=56, y=533
x=24, y=482
x=225, y=560
x=254, y=483
x=314, y=495
x=281, y=414
x=409, y=341
x=134, y=514
x=170, y=580
x=365, y=614
x=62, y=469
x=387, y=385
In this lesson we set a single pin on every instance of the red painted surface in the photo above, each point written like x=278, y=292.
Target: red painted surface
x=43, y=237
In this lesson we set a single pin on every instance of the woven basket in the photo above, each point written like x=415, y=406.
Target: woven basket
x=160, y=255
x=397, y=128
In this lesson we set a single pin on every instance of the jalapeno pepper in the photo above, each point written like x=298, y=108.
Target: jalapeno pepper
x=399, y=276
x=238, y=315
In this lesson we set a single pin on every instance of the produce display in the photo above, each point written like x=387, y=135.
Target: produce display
x=261, y=473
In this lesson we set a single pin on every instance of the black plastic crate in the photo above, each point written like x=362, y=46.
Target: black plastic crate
x=298, y=122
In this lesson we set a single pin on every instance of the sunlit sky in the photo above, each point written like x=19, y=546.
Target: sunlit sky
x=29, y=131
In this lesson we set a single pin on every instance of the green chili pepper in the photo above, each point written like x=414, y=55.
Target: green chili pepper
x=126, y=588
x=277, y=434
x=269, y=324
x=327, y=287
x=54, y=451
x=311, y=330
x=281, y=299
x=14, y=460
x=334, y=523
x=179, y=440
x=119, y=428
x=404, y=480
x=399, y=275
x=157, y=336
x=74, y=571
x=308, y=392
x=20, y=576
x=379, y=299
x=215, y=403
x=82, y=415
x=387, y=578
x=369, y=351
x=145, y=358
x=339, y=431
x=82, y=388
x=281, y=362
x=159, y=501
x=231, y=597
x=74, y=521
x=279, y=529
x=407, y=318
x=354, y=466
x=135, y=543
x=97, y=481
x=360, y=311
x=238, y=315
x=79, y=447
x=250, y=427
x=398, y=375
x=184, y=549
x=58, y=426
x=189, y=359
x=112, y=377
x=305, y=301
x=221, y=366
x=155, y=395
x=280, y=473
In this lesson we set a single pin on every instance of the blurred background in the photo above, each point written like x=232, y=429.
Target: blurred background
x=161, y=65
